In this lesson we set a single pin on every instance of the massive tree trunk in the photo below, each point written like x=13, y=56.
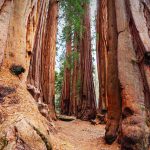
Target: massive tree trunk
x=133, y=42
x=65, y=97
x=87, y=103
x=21, y=124
x=128, y=65
x=41, y=78
x=18, y=110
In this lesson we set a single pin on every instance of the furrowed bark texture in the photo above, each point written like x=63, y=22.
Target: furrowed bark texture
x=113, y=95
x=21, y=124
x=127, y=72
x=6, y=8
x=102, y=52
x=87, y=104
x=65, y=97
x=34, y=76
x=48, y=58
x=75, y=81
x=18, y=110
x=41, y=78
x=132, y=41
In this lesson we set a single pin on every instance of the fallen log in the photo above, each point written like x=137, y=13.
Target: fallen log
x=66, y=118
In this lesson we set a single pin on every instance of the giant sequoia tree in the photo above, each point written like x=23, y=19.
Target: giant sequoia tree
x=124, y=37
x=26, y=25
x=101, y=48
x=87, y=104
x=41, y=78
x=27, y=62
x=82, y=102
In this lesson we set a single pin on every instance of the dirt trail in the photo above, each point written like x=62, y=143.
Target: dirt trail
x=84, y=136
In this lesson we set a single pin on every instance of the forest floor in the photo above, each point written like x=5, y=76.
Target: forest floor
x=83, y=135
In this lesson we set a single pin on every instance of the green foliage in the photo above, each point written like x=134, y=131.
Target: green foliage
x=58, y=87
x=59, y=80
x=78, y=85
x=70, y=59
x=75, y=55
x=68, y=63
x=3, y=142
x=59, y=76
x=73, y=12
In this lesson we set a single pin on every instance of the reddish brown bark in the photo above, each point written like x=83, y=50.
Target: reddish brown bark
x=21, y=119
x=87, y=104
x=75, y=82
x=131, y=44
x=102, y=52
x=65, y=97
x=48, y=58
x=113, y=95
x=42, y=74
x=34, y=75
x=5, y=15
x=127, y=65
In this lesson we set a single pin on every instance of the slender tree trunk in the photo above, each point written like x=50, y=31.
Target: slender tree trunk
x=102, y=53
x=65, y=97
x=87, y=104
x=48, y=58
x=75, y=81
x=113, y=94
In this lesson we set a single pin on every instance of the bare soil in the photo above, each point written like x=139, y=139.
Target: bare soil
x=83, y=135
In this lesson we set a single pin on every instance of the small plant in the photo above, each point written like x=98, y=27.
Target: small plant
x=3, y=142
x=17, y=69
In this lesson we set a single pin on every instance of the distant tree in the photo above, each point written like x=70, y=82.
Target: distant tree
x=81, y=68
x=65, y=96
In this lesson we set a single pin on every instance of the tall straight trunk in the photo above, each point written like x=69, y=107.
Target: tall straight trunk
x=41, y=78
x=113, y=94
x=6, y=10
x=65, y=97
x=34, y=75
x=48, y=58
x=87, y=103
x=101, y=50
x=75, y=80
